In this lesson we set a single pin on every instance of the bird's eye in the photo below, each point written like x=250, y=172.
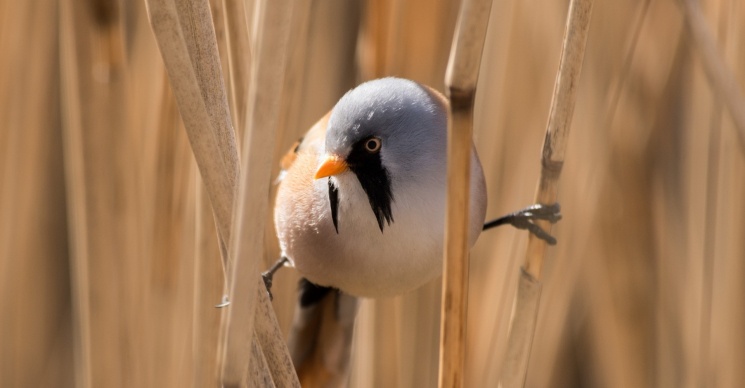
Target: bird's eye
x=372, y=144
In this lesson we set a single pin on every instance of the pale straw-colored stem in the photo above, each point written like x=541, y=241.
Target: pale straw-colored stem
x=77, y=198
x=460, y=81
x=187, y=42
x=239, y=58
x=247, y=248
x=209, y=280
x=720, y=77
x=527, y=300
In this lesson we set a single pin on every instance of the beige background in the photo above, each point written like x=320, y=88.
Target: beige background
x=644, y=289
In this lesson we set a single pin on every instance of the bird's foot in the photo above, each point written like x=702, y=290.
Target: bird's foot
x=268, y=275
x=525, y=219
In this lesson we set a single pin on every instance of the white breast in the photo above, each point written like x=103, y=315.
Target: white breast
x=360, y=260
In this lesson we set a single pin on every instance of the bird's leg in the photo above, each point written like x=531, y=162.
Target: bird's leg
x=524, y=219
x=268, y=275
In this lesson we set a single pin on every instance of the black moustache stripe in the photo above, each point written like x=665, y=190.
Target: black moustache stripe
x=374, y=179
x=378, y=189
x=334, y=202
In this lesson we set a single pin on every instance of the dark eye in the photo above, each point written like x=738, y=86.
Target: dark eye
x=372, y=145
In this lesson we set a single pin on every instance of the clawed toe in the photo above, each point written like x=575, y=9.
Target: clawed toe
x=525, y=219
x=268, y=283
x=268, y=275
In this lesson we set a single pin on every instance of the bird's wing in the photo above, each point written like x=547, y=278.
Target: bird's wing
x=312, y=141
x=321, y=335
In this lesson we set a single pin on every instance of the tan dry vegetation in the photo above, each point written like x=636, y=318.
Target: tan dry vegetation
x=109, y=258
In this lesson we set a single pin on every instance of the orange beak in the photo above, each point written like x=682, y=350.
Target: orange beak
x=331, y=166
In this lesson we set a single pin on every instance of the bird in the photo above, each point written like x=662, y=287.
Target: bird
x=360, y=213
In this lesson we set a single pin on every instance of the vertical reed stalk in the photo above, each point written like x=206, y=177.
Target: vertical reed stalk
x=186, y=38
x=247, y=249
x=76, y=192
x=709, y=258
x=722, y=81
x=238, y=57
x=527, y=300
x=209, y=280
x=461, y=79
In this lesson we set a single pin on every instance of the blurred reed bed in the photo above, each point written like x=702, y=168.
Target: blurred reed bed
x=110, y=263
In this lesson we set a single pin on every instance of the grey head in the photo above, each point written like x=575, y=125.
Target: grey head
x=391, y=133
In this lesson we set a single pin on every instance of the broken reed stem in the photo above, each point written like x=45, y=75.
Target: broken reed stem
x=527, y=300
x=460, y=80
x=247, y=248
x=720, y=77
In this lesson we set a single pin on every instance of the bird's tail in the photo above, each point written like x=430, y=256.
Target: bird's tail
x=321, y=335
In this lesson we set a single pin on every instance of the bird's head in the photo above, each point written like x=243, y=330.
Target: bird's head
x=391, y=133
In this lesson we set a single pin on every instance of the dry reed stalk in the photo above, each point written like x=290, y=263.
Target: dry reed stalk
x=711, y=198
x=76, y=192
x=238, y=58
x=460, y=80
x=289, y=120
x=257, y=374
x=35, y=295
x=247, y=249
x=522, y=326
x=554, y=352
x=186, y=39
x=269, y=337
x=134, y=277
x=621, y=79
x=190, y=56
x=373, y=39
x=707, y=274
x=187, y=42
x=104, y=225
x=721, y=78
x=209, y=280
